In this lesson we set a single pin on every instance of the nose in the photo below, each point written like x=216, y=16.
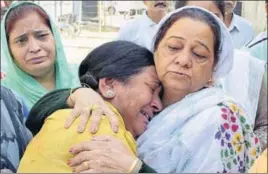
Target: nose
x=184, y=58
x=156, y=103
x=34, y=46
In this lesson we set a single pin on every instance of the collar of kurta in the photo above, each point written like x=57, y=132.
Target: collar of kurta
x=234, y=23
x=146, y=20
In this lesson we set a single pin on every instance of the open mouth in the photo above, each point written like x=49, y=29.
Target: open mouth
x=146, y=115
x=161, y=5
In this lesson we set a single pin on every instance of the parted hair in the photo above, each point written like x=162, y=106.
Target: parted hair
x=117, y=59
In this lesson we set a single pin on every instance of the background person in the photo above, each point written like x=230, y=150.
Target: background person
x=33, y=52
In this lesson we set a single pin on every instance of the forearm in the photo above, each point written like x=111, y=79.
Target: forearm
x=45, y=106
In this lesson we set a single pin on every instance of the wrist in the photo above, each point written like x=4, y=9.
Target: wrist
x=71, y=98
x=136, y=166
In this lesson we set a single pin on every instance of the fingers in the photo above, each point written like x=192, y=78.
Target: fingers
x=112, y=117
x=95, y=120
x=98, y=166
x=83, y=119
x=91, y=171
x=80, y=158
x=84, y=146
x=70, y=119
x=83, y=167
x=89, y=146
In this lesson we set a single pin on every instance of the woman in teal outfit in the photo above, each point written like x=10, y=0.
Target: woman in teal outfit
x=32, y=49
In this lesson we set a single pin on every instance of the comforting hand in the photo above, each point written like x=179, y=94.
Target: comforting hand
x=103, y=154
x=86, y=103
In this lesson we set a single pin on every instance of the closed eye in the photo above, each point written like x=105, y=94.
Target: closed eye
x=171, y=48
x=200, y=56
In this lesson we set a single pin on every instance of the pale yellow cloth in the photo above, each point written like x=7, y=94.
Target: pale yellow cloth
x=48, y=151
x=260, y=165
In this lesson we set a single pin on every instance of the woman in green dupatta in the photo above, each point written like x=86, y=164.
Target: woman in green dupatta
x=32, y=49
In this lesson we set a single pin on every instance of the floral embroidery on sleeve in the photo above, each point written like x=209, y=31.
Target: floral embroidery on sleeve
x=239, y=146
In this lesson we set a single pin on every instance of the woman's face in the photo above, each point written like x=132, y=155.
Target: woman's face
x=208, y=5
x=185, y=56
x=138, y=99
x=32, y=45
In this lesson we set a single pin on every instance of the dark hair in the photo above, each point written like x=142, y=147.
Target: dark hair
x=117, y=59
x=20, y=12
x=219, y=3
x=195, y=14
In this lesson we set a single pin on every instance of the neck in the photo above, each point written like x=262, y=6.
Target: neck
x=172, y=96
x=48, y=80
x=228, y=20
x=155, y=17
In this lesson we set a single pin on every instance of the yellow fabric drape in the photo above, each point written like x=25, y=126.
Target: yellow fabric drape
x=48, y=151
x=260, y=165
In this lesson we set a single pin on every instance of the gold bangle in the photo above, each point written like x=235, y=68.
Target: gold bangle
x=133, y=165
x=137, y=167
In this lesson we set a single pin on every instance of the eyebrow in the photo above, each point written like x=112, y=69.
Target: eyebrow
x=24, y=34
x=181, y=38
x=40, y=31
x=19, y=37
x=201, y=43
x=176, y=37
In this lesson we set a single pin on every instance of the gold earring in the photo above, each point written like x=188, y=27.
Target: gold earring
x=210, y=83
x=110, y=94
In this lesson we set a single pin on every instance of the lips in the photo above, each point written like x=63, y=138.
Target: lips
x=146, y=115
x=181, y=74
x=161, y=4
x=37, y=60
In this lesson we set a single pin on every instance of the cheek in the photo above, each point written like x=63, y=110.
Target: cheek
x=161, y=64
x=18, y=54
x=201, y=74
x=50, y=47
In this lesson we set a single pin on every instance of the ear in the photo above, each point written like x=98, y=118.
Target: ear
x=106, y=88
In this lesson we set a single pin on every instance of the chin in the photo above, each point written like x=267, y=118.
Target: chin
x=41, y=71
x=177, y=86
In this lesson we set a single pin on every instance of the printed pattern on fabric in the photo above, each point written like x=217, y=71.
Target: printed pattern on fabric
x=239, y=146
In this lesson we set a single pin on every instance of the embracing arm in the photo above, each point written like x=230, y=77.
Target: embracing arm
x=45, y=106
x=100, y=155
x=81, y=100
